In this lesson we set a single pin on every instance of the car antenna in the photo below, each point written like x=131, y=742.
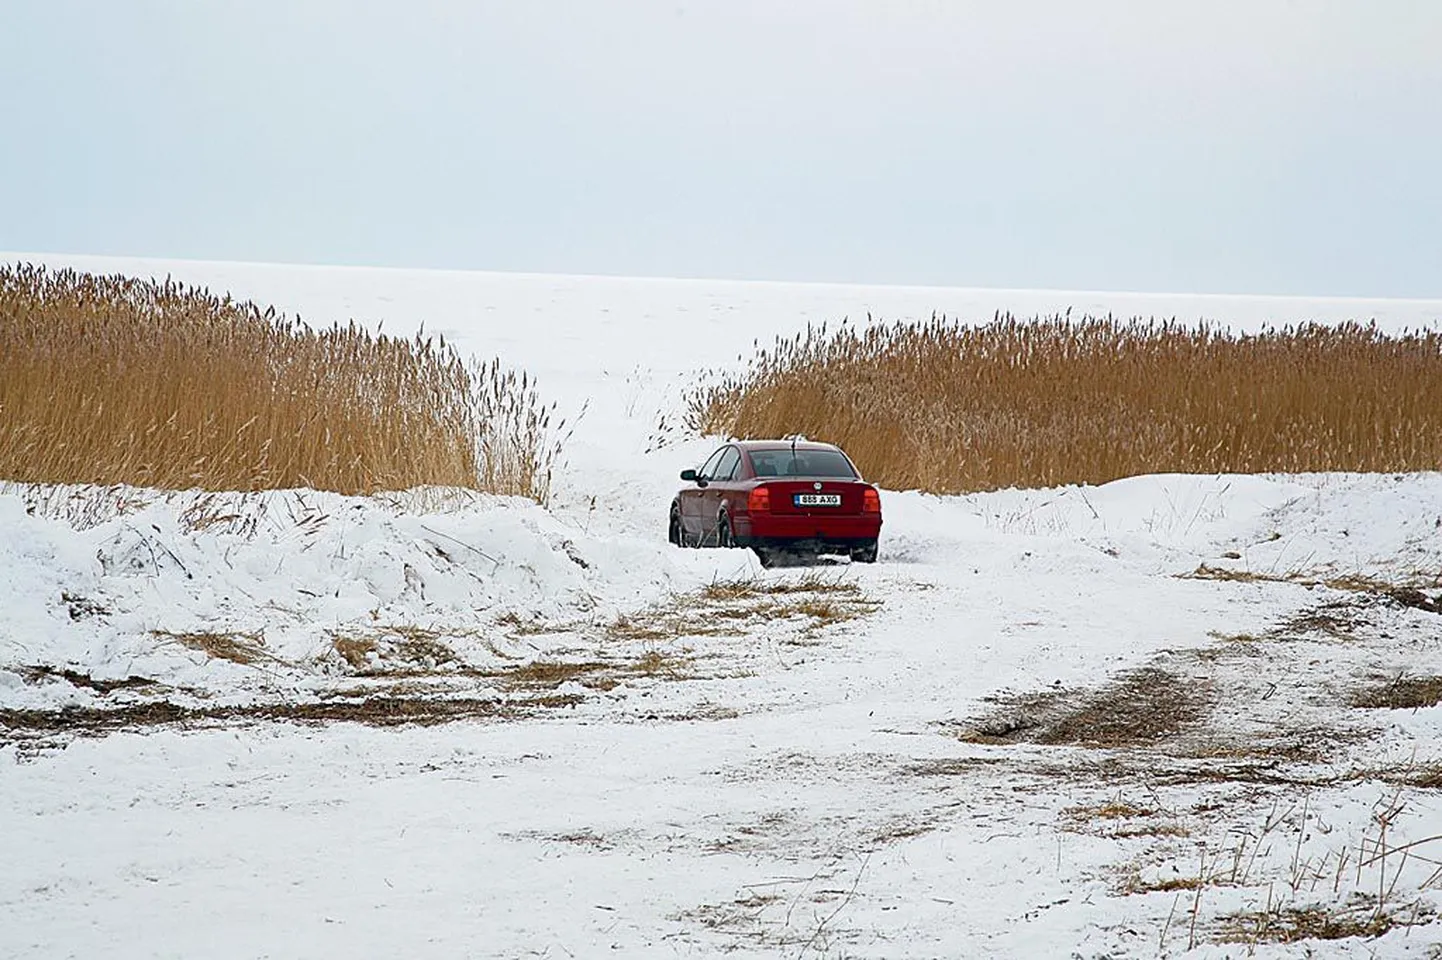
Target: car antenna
x=794, y=438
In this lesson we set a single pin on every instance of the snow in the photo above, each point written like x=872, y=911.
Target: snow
x=782, y=788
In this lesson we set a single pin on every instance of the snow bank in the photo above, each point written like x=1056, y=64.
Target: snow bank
x=290, y=571
x=108, y=582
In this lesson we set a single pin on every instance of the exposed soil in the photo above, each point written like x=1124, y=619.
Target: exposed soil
x=1139, y=708
x=375, y=711
x=39, y=672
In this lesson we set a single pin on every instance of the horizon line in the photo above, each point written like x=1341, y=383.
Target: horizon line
x=14, y=256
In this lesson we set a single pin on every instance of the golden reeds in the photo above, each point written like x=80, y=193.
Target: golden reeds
x=949, y=408
x=115, y=380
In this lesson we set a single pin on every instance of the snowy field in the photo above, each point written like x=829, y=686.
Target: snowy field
x=1161, y=717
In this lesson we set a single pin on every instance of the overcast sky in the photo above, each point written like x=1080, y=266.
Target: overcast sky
x=1255, y=146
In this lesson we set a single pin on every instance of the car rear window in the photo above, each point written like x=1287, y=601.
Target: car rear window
x=784, y=462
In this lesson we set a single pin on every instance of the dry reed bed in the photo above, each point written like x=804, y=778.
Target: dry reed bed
x=112, y=380
x=948, y=408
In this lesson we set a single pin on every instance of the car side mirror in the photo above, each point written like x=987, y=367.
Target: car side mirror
x=688, y=475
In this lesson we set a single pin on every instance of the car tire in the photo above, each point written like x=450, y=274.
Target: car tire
x=864, y=552
x=723, y=532
x=673, y=528
x=765, y=556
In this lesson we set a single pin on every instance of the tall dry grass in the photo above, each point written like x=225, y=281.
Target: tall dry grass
x=112, y=380
x=949, y=408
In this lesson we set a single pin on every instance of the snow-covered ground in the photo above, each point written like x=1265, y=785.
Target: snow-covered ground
x=300, y=724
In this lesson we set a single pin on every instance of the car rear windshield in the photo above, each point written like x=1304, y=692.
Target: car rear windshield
x=784, y=462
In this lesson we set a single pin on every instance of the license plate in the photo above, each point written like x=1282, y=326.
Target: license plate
x=818, y=499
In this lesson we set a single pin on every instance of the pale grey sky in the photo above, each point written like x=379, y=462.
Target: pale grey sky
x=1266, y=146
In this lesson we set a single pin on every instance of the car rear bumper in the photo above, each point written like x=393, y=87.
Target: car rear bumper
x=801, y=529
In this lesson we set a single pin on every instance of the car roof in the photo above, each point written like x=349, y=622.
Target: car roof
x=749, y=445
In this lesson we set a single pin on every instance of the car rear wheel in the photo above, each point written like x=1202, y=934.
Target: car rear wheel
x=766, y=556
x=723, y=532
x=673, y=528
x=864, y=552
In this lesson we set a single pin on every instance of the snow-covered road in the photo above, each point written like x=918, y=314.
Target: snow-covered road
x=791, y=789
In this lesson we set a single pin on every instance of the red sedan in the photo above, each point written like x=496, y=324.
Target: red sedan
x=777, y=496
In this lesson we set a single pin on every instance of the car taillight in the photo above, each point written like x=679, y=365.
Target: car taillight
x=759, y=501
x=870, y=501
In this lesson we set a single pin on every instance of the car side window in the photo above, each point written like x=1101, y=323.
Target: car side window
x=730, y=460
x=708, y=472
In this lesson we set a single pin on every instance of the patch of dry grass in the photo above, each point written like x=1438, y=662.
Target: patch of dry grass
x=705, y=712
x=1132, y=884
x=381, y=711
x=1119, y=820
x=112, y=380
x=425, y=651
x=1157, y=828
x=395, y=650
x=1111, y=810
x=1401, y=693
x=949, y=408
x=657, y=625
x=1172, y=885
x=1406, y=596
x=242, y=648
x=519, y=627
x=1142, y=707
x=355, y=651
x=754, y=587
x=727, y=607
x=653, y=662
x=1242, y=638
x=552, y=673
x=1294, y=924
x=1427, y=777
x=595, y=674
x=822, y=613
x=1228, y=575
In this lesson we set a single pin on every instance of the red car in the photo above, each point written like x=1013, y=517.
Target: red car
x=778, y=496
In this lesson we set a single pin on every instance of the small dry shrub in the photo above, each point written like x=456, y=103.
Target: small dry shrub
x=949, y=408
x=111, y=380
